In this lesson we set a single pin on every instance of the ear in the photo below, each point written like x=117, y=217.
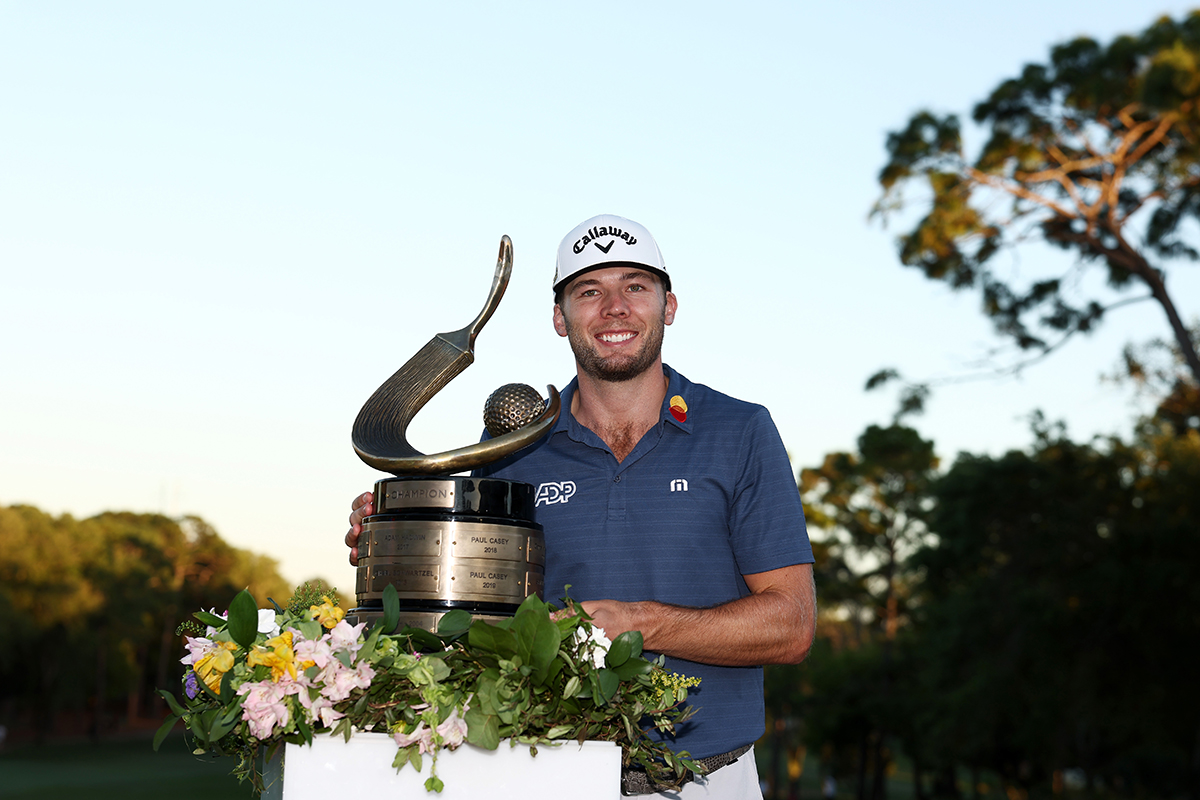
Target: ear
x=560, y=322
x=669, y=311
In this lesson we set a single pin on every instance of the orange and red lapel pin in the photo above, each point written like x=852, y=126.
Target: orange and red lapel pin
x=678, y=408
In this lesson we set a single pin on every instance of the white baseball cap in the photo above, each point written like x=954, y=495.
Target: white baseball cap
x=607, y=241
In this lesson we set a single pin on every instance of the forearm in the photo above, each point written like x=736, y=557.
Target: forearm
x=773, y=625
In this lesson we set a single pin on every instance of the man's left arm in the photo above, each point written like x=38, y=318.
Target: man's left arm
x=774, y=624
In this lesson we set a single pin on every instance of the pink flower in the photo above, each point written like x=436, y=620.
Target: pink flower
x=344, y=636
x=264, y=706
x=320, y=709
x=421, y=735
x=340, y=681
x=453, y=730
x=310, y=652
x=197, y=648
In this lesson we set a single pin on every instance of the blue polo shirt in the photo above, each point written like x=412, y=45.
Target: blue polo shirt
x=705, y=497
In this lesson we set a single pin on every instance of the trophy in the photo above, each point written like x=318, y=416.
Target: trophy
x=444, y=541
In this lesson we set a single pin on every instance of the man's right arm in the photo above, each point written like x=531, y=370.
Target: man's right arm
x=362, y=507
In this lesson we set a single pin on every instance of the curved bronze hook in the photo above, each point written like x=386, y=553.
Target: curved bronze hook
x=380, y=434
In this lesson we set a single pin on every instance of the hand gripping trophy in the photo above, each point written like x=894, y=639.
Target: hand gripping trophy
x=444, y=541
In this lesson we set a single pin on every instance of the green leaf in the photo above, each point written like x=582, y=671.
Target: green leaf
x=572, y=687
x=492, y=639
x=434, y=784
x=304, y=728
x=609, y=682
x=368, y=648
x=202, y=724
x=537, y=640
x=454, y=623
x=225, y=722
x=343, y=728
x=172, y=703
x=625, y=646
x=243, y=619
x=633, y=667
x=483, y=730
x=391, y=608
x=485, y=691
x=405, y=755
x=310, y=629
x=164, y=729
x=211, y=620
x=423, y=639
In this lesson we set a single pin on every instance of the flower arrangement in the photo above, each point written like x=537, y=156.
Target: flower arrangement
x=259, y=678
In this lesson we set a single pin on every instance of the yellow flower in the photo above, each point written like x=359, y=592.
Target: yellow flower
x=277, y=654
x=215, y=664
x=327, y=613
x=671, y=682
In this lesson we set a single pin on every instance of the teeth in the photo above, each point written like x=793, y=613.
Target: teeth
x=615, y=337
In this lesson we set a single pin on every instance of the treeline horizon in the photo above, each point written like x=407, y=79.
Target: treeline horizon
x=1011, y=623
x=93, y=608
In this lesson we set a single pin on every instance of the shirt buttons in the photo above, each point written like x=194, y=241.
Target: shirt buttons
x=617, y=479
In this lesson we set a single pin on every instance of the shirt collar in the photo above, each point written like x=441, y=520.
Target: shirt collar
x=677, y=386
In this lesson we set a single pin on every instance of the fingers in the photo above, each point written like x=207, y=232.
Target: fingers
x=362, y=507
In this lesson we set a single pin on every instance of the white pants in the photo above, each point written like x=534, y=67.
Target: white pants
x=736, y=781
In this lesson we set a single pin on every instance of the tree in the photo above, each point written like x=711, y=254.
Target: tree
x=92, y=607
x=872, y=506
x=1096, y=153
x=1050, y=615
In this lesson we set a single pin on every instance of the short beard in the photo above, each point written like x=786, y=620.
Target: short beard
x=616, y=370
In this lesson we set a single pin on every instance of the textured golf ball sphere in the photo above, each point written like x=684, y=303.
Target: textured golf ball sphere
x=512, y=407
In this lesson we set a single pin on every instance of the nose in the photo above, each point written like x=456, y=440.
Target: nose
x=616, y=305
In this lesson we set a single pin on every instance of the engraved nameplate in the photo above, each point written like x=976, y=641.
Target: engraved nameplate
x=489, y=581
x=417, y=494
x=403, y=538
x=388, y=539
x=405, y=577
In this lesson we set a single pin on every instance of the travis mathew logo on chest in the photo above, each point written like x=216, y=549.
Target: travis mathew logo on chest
x=595, y=233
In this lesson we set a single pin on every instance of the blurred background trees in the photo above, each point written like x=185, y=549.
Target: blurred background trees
x=91, y=608
x=1019, y=623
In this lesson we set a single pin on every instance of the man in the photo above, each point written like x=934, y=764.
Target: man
x=668, y=508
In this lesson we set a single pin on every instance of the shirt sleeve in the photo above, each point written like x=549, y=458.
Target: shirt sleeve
x=766, y=518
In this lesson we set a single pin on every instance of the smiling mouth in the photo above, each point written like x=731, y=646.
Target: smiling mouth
x=615, y=338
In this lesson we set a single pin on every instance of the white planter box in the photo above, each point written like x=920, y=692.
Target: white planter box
x=332, y=768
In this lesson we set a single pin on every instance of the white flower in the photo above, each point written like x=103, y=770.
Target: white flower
x=600, y=642
x=266, y=622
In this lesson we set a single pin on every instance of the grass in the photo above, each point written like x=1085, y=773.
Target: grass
x=122, y=769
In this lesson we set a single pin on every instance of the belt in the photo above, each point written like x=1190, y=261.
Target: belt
x=634, y=780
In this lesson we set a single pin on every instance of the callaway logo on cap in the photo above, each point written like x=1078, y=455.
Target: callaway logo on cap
x=607, y=241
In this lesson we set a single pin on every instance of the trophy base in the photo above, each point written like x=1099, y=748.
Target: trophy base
x=450, y=542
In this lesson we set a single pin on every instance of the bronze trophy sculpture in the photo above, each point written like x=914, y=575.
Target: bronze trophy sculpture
x=445, y=541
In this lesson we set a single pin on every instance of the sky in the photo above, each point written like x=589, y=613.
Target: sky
x=222, y=226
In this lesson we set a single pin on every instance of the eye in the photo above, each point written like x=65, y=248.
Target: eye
x=636, y=287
